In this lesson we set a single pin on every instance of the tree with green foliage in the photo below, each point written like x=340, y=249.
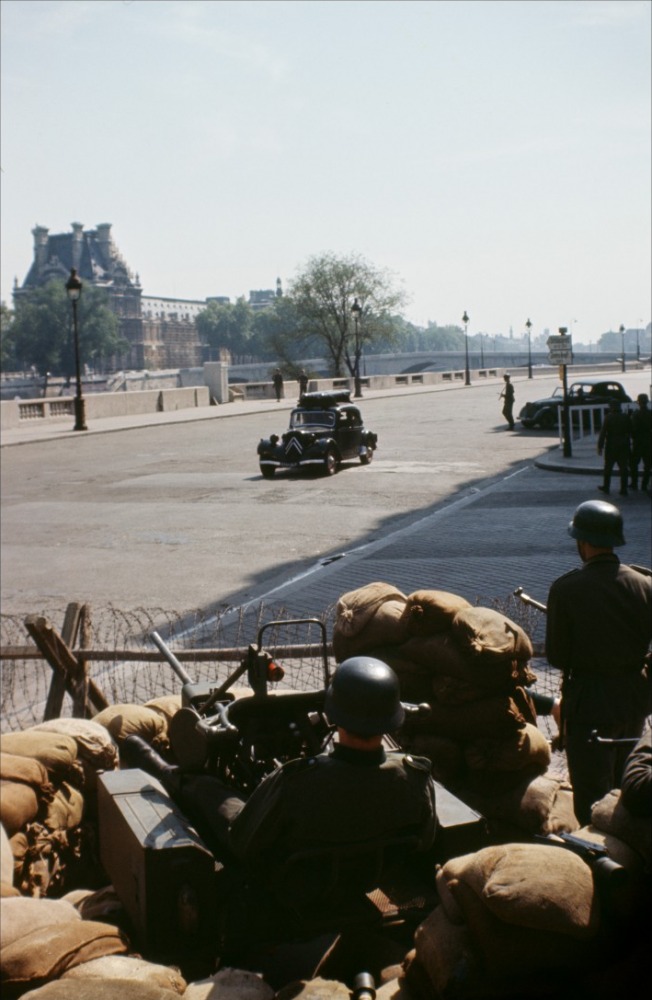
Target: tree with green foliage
x=346, y=304
x=228, y=326
x=6, y=336
x=42, y=331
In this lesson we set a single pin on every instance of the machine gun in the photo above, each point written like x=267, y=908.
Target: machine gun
x=610, y=877
x=241, y=739
x=519, y=592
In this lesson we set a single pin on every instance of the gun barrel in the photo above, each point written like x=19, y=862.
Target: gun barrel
x=519, y=592
x=179, y=670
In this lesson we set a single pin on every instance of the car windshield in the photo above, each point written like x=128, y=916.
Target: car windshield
x=312, y=418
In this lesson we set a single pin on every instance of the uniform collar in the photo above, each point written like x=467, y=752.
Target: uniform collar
x=367, y=758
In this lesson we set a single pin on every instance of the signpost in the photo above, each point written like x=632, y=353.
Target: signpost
x=561, y=353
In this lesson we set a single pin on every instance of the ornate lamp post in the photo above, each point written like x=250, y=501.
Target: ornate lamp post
x=356, y=309
x=623, y=366
x=467, y=373
x=74, y=289
x=528, y=326
x=481, y=351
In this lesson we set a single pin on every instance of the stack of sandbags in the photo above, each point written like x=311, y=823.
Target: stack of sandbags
x=40, y=939
x=471, y=666
x=522, y=918
x=96, y=748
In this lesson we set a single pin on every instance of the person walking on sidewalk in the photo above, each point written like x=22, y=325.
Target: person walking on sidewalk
x=508, y=406
x=614, y=442
x=598, y=632
x=277, y=379
x=641, y=426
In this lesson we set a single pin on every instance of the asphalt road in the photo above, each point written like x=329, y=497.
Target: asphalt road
x=178, y=516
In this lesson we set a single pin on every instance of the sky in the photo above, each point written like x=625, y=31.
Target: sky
x=492, y=155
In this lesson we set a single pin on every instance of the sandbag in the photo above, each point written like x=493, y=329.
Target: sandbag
x=19, y=805
x=98, y=989
x=23, y=916
x=17, y=768
x=124, y=720
x=128, y=967
x=167, y=705
x=94, y=743
x=428, y=612
x=535, y=804
x=6, y=858
x=49, y=951
x=442, y=656
x=95, y=904
x=611, y=816
x=530, y=885
x=444, y=952
x=414, y=681
x=446, y=756
x=490, y=634
x=57, y=752
x=314, y=989
x=355, y=609
x=493, y=717
x=66, y=809
x=230, y=984
x=527, y=747
x=618, y=850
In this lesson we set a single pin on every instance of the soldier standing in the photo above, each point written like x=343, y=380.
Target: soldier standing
x=641, y=426
x=614, y=441
x=599, y=627
x=508, y=406
x=277, y=379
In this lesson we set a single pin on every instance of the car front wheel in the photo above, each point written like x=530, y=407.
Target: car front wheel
x=366, y=456
x=547, y=421
x=330, y=462
x=267, y=471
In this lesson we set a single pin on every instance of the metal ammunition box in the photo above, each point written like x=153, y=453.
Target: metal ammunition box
x=460, y=829
x=162, y=872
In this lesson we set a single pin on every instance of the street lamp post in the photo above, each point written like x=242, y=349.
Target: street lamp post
x=528, y=326
x=481, y=352
x=467, y=373
x=623, y=366
x=74, y=289
x=356, y=309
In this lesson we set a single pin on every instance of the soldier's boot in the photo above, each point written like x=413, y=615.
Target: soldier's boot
x=136, y=752
x=606, y=483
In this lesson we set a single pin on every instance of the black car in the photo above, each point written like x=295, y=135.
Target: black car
x=586, y=392
x=325, y=429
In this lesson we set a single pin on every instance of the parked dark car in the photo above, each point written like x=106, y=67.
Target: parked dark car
x=586, y=392
x=325, y=430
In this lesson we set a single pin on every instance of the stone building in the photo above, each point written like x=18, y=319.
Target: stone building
x=161, y=333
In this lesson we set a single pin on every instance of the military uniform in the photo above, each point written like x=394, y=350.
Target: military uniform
x=343, y=797
x=641, y=424
x=614, y=441
x=599, y=626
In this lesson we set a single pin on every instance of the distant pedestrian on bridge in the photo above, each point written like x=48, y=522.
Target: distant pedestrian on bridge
x=303, y=382
x=508, y=406
x=641, y=425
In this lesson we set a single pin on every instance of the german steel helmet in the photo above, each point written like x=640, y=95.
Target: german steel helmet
x=364, y=697
x=599, y=523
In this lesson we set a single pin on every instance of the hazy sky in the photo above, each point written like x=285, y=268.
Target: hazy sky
x=494, y=155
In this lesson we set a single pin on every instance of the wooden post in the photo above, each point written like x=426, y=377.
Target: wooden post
x=66, y=668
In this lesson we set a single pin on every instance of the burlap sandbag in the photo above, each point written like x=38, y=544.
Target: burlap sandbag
x=446, y=756
x=530, y=885
x=522, y=959
x=95, y=904
x=535, y=804
x=21, y=917
x=441, y=656
x=131, y=968
x=428, y=612
x=611, y=816
x=230, y=984
x=94, y=743
x=57, y=752
x=66, y=809
x=414, y=681
x=167, y=705
x=490, y=634
x=314, y=989
x=355, y=609
x=444, y=952
x=98, y=989
x=18, y=768
x=527, y=747
x=19, y=805
x=7, y=890
x=127, y=720
x=493, y=717
x=6, y=858
x=618, y=850
x=49, y=951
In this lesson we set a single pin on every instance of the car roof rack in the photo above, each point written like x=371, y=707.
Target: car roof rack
x=323, y=400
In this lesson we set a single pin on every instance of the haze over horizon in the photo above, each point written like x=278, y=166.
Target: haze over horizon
x=493, y=154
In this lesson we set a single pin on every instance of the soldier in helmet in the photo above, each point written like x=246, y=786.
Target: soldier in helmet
x=357, y=792
x=599, y=627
